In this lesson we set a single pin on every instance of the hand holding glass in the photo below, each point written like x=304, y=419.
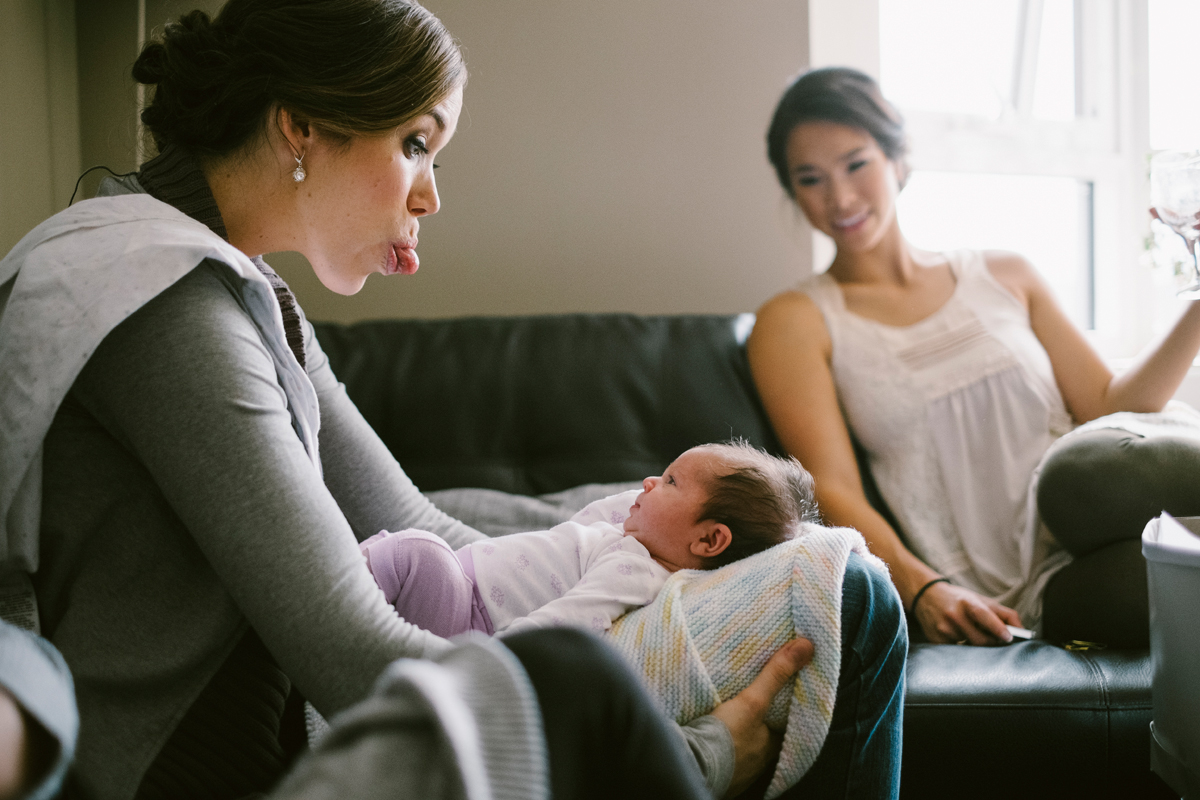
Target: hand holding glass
x=1175, y=193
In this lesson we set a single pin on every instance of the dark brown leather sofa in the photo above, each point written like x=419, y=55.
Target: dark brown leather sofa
x=539, y=404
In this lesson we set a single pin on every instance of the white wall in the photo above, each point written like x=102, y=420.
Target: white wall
x=610, y=157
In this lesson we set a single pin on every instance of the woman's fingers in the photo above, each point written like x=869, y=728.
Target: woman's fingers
x=988, y=627
x=754, y=746
x=952, y=614
x=1007, y=614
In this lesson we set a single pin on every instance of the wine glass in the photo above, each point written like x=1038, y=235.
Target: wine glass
x=1175, y=194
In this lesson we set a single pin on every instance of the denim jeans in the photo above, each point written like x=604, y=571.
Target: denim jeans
x=861, y=755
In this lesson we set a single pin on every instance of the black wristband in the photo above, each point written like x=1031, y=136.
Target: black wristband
x=917, y=597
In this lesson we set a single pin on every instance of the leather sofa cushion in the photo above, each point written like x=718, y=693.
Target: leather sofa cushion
x=540, y=404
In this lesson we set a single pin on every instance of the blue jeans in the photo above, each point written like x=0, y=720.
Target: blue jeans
x=861, y=755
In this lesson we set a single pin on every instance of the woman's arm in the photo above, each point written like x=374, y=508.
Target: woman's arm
x=1088, y=386
x=370, y=487
x=186, y=385
x=790, y=353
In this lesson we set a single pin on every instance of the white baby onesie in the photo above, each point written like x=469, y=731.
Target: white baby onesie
x=584, y=572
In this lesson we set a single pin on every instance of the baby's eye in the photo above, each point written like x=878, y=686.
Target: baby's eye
x=671, y=479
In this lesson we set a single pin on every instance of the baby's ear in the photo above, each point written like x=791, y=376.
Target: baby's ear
x=713, y=541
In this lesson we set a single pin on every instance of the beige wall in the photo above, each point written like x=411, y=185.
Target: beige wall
x=39, y=125
x=610, y=157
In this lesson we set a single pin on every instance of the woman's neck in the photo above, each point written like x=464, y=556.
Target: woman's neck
x=254, y=205
x=890, y=261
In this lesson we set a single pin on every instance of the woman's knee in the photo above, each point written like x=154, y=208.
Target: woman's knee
x=872, y=615
x=1100, y=597
x=1102, y=486
x=570, y=662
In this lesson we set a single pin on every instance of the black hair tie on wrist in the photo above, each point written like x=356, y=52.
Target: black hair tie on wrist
x=917, y=597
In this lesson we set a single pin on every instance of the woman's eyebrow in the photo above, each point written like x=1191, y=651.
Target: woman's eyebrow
x=439, y=119
x=848, y=156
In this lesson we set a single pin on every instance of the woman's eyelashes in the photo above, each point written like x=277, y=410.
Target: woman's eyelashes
x=856, y=165
x=416, y=147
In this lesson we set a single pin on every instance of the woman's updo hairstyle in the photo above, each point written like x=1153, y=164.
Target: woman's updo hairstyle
x=348, y=66
x=841, y=95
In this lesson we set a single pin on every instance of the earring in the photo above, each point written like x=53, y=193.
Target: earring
x=298, y=174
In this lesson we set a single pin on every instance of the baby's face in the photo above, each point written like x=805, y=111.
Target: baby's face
x=665, y=517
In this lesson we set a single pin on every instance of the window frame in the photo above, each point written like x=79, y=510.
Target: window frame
x=1106, y=145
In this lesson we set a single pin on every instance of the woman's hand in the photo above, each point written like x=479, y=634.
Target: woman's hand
x=950, y=614
x=754, y=745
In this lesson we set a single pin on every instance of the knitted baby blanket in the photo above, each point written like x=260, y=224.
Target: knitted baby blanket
x=709, y=633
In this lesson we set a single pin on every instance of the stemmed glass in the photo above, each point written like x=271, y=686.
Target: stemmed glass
x=1175, y=194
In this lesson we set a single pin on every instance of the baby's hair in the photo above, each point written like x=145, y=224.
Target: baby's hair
x=763, y=499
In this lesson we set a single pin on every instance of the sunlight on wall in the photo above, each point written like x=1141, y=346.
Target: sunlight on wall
x=1174, y=106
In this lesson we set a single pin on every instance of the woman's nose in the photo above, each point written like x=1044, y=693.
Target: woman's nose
x=840, y=195
x=423, y=198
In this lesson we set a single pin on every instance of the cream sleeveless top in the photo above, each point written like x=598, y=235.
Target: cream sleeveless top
x=955, y=413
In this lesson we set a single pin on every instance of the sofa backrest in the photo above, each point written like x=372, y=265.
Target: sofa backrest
x=538, y=404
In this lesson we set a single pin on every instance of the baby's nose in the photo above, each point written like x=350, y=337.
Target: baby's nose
x=648, y=483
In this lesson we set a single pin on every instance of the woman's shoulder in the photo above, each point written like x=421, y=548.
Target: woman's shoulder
x=1013, y=271
x=792, y=316
x=796, y=305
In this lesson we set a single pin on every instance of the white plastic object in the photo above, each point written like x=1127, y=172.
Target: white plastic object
x=1172, y=550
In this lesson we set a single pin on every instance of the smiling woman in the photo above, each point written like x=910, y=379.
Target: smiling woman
x=962, y=379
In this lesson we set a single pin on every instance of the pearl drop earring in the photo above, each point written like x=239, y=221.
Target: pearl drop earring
x=298, y=174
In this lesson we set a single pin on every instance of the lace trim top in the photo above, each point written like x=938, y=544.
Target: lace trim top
x=955, y=412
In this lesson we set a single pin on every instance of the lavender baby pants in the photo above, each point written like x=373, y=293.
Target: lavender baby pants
x=429, y=584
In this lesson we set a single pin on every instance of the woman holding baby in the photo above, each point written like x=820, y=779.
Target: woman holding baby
x=187, y=482
x=963, y=380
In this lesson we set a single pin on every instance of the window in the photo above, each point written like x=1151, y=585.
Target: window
x=1027, y=125
x=1174, y=123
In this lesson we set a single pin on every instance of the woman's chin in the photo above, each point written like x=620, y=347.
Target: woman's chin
x=340, y=284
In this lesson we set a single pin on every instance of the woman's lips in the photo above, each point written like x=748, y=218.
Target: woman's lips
x=849, y=223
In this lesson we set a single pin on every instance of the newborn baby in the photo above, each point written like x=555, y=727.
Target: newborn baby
x=713, y=505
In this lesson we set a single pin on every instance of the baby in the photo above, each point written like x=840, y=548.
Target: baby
x=713, y=505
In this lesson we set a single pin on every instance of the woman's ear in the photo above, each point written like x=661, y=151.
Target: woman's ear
x=902, y=171
x=295, y=129
x=715, y=538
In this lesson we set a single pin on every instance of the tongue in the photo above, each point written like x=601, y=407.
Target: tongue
x=406, y=260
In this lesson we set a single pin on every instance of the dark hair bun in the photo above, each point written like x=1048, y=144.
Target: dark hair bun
x=348, y=66
x=200, y=99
